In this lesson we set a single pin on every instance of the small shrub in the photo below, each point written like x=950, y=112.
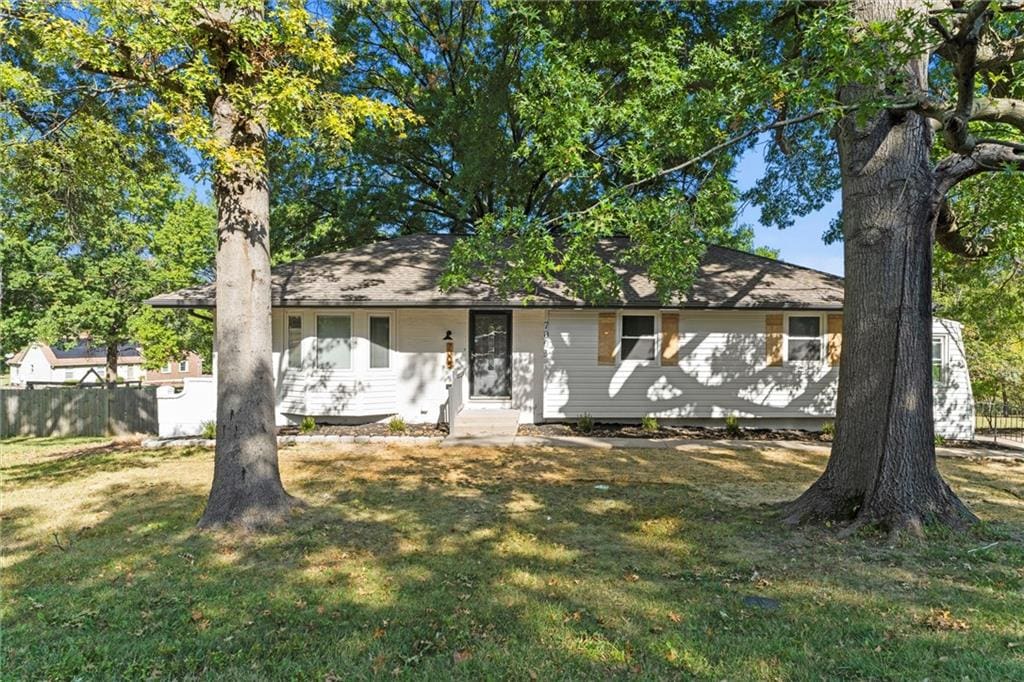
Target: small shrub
x=828, y=429
x=208, y=430
x=397, y=425
x=585, y=423
x=307, y=425
x=649, y=424
x=940, y=440
x=732, y=426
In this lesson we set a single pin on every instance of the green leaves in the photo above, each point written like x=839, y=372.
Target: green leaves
x=987, y=294
x=271, y=60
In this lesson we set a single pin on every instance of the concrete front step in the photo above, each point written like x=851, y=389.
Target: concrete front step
x=485, y=423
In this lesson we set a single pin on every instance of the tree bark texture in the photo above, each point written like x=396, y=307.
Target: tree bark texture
x=111, y=367
x=882, y=469
x=247, y=489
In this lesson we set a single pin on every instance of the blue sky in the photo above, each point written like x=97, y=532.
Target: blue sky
x=801, y=243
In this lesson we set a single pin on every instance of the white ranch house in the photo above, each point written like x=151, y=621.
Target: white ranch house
x=365, y=334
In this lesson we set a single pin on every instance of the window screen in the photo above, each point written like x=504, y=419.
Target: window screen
x=380, y=342
x=804, y=338
x=638, y=337
x=334, y=342
x=294, y=341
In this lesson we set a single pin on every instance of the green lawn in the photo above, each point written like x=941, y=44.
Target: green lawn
x=484, y=564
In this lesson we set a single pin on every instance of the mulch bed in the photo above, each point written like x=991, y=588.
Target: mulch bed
x=555, y=430
x=373, y=429
x=666, y=432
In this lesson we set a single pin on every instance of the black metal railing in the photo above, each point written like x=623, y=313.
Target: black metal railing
x=999, y=420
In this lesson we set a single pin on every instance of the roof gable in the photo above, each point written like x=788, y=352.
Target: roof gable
x=405, y=271
x=81, y=354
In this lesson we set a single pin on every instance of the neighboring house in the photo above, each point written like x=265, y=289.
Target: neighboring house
x=40, y=362
x=361, y=334
x=173, y=373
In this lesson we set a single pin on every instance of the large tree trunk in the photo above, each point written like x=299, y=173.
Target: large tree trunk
x=111, y=367
x=247, y=489
x=882, y=469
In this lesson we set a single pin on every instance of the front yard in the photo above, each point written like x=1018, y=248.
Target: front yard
x=478, y=564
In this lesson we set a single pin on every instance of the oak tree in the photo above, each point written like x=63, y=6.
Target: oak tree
x=222, y=78
x=901, y=170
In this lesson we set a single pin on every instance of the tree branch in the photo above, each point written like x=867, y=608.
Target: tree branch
x=947, y=233
x=999, y=110
x=736, y=139
x=985, y=157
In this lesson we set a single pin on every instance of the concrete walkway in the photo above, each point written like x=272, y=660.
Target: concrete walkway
x=484, y=423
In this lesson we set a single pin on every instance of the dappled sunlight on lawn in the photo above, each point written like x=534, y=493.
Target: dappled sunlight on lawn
x=473, y=563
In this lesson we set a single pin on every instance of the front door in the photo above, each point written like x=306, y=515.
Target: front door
x=490, y=366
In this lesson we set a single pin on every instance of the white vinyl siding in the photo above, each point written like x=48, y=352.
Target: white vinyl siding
x=333, y=378
x=954, y=401
x=420, y=360
x=722, y=370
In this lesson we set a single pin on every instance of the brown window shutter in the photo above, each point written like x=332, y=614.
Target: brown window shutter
x=606, y=339
x=835, y=338
x=773, y=338
x=669, y=338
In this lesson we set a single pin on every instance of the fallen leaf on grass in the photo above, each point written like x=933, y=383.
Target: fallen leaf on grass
x=200, y=620
x=460, y=656
x=941, y=619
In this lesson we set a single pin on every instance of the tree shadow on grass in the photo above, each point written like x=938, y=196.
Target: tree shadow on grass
x=81, y=462
x=480, y=566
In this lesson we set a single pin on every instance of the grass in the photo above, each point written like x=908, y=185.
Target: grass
x=481, y=564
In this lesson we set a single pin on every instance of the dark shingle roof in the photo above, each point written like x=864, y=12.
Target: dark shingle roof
x=83, y=353
x=404, y=272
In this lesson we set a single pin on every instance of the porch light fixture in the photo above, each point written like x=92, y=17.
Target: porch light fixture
x=448, y=336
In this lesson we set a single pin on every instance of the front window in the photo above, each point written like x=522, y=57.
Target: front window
x=937, y=358
x=166, y=369
x=69, y=375
x=334, y=342
x=380, y=342
x=804, y=338
x=294, y=341
x=183, y=366
x=638, y=339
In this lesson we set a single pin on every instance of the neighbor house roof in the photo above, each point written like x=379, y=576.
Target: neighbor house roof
x=82, y=354
x=405, y=271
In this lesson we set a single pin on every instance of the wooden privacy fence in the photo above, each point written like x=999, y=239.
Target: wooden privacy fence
x=77, y=411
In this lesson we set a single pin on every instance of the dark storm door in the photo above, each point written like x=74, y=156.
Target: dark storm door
x=490, y=357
